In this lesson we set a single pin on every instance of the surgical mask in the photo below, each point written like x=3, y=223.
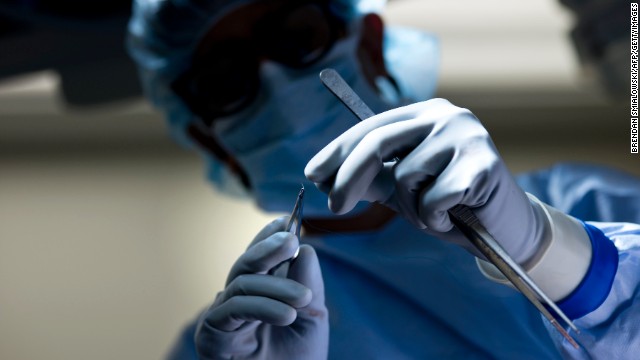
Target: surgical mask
x=411, y=56
x=293, y=118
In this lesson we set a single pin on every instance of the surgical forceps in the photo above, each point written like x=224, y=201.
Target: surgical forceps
x=466, y=221
x=295, y=220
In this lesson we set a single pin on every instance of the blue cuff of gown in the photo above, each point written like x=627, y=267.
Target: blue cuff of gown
x=596, y=285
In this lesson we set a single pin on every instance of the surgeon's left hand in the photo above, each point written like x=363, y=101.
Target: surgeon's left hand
x=446, y=158
x=271, y=308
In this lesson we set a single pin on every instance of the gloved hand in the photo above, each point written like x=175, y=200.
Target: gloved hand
x=260, y=315
x=446, y=158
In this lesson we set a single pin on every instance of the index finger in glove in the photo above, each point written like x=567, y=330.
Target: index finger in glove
x=325, y=163
x=358, y=171
x=265, y=255
x=273, y=227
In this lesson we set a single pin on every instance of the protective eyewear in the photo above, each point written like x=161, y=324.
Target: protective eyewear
x=224, y=77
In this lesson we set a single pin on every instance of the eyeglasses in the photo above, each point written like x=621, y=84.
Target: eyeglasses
x=224, y=77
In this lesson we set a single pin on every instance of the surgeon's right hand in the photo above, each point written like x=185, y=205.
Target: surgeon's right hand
x=263, y=316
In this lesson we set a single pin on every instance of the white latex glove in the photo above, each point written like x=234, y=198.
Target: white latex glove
x=268, y=310
x=446, y=158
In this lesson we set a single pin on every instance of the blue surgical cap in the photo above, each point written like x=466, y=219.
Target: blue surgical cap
x=163, y=34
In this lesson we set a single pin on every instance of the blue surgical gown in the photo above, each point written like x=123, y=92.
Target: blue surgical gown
x=399, y=294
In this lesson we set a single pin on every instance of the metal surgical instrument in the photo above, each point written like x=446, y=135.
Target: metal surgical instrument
x=466, y=221
x=295, y=220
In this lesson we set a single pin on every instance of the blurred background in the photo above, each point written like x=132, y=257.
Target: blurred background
x=110, y=238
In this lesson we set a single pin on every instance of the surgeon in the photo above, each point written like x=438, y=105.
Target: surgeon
x=381, y=272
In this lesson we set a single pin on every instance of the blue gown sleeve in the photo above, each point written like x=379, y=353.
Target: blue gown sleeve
x=184, y=347
x=586, y=191
x=608, y=200
x=612, y=330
